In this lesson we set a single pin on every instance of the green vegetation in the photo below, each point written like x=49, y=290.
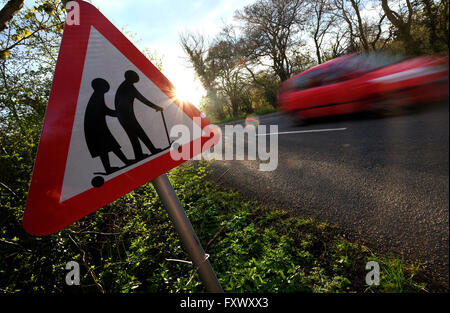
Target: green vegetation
x=269, y=41
x=125, y=247
x=263, y=111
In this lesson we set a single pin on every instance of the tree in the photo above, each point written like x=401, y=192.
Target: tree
x=342, y=12
x=435, y=17
x=321, y=21
x=230, y=80
x=220, y=67
x=195, y=47
x=270, y=31
x=270, y=47
x=8, y=11
x=33, y=26
x=430, y=13
x=29, y=48
x=363, y=33
x=402, y=21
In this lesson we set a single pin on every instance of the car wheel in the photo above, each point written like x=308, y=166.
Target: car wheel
x=298, y=120
x=391, y=105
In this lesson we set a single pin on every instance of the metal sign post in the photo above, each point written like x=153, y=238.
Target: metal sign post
x=188, y=237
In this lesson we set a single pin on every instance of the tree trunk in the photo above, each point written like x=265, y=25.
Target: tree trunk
x=319, y=57
x=362, y=35
x=430, y=16
x=404, y=28
x=9, y=10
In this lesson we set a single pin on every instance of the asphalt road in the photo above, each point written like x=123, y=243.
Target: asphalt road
x=384, y=182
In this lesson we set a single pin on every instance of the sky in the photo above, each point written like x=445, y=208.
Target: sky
x=158, y=25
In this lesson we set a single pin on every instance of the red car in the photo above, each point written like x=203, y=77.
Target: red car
x=360, y=82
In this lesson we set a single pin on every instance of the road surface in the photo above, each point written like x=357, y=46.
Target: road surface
x=382, y=181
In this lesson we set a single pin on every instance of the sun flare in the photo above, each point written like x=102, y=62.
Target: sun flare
x=189, y=93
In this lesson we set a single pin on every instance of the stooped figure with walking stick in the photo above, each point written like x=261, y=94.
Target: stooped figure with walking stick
x=100, y=140
x=125, y=96
x=98, y=137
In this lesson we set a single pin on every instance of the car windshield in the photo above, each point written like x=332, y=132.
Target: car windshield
x=367, y=62
x=348, y=68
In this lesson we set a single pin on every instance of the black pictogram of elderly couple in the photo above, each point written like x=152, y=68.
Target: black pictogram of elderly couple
x=99, y=138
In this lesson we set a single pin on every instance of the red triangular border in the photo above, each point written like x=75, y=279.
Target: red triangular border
x=44, y=214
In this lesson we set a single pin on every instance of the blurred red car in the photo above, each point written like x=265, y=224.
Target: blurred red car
x=360, y=82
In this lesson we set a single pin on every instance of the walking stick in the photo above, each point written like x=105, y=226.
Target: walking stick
x=165, y=127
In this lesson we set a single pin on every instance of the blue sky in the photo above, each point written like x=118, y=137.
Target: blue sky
x=158, y=24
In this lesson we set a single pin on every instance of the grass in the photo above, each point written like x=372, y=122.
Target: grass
x=260, y=112
x=265, y=250
x=130, y=244
x=266, y=111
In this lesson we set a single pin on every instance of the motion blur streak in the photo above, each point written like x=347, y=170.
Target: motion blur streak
x=364, y=82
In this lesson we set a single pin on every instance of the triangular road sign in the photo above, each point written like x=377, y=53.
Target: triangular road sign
x=106, y=128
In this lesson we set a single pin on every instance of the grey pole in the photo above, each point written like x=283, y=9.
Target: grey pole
x=188, y=237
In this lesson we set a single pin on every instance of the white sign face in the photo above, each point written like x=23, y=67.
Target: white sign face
x=107, y=125
x=106, y=65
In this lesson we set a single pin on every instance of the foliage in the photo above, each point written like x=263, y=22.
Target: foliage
x=129, y=245
x=31, y=43
x=125, y=246
x=270, y=30
x=221, y=71
x=269, y=41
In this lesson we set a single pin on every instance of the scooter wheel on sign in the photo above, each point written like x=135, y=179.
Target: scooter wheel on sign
x=97, y=181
